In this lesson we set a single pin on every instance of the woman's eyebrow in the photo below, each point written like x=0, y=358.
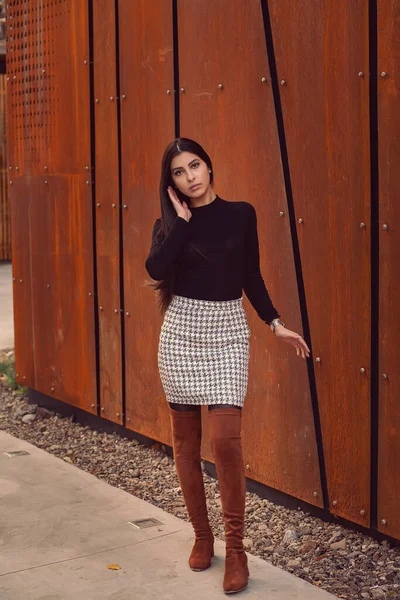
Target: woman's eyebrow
x=192, y=161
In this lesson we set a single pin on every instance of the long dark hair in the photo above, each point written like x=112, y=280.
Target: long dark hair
x=168, y=212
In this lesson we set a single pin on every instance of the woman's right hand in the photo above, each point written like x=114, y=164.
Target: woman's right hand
x=182, y=210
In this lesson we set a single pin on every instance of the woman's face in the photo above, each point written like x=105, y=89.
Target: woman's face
x=190, y=174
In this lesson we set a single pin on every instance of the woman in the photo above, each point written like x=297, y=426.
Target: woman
x=204, y=252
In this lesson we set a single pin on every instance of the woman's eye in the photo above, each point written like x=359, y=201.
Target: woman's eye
x=178, y=173
x=195, y=165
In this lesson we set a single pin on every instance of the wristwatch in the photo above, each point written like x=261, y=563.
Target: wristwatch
x=276, y=322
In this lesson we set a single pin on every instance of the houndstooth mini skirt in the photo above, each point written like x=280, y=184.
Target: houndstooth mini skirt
x=203, y=351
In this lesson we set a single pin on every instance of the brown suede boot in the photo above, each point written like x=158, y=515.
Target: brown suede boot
x=224, y=427
x=186, y=437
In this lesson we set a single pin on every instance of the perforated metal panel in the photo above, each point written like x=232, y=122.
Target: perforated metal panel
x=51, y=200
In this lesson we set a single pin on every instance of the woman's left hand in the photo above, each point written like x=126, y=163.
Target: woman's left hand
x=294, y=339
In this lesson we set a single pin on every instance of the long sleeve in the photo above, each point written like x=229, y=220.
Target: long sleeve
x=254, y=285
x=163, y=253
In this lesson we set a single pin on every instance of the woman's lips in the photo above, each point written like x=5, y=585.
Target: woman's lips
x=195, y=186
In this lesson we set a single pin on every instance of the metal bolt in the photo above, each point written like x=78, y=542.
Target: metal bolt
x=52, y=389
x=301, y=221
x=283, y=82
x=100, y=307
x=11, y=182
x=98, y=205
x=86, y=167
x=315, y=494
x=362, y=225
x=221, y=86
x=114, y=205
x=116, y=310
x=87, y=182
x=183, y=90
x=318, y=360
x=92, y=405
x=125, y=206
x=102, y=409
x=384, y=376
x=118, y=415
x=334, y=503
x=10, y=168
x=362, y=512
x=127, y=314
x=111, y=98
x=384, y=522
x=17, y=168
x=128, y=419
x=383, y=74
x=48, y=286
x=361, y=74
x=20, y=280
x=24, y=377
x=43, y=70
x=15, y=77
x=168, y=92
x=16, y=374
x=90, y=293
x=13, y=278
x=263, y=79
x=97, y=100
x=385, y=226
x=85, y=62
x=46, y=182
x=281, y=214
x=362, y=370
x=247, y=467
x=46, y=168
x=123, y=97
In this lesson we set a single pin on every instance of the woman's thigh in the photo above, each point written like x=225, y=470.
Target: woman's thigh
x=190, y=407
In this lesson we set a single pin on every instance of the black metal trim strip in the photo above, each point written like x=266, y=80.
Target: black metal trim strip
x=373, y=95
x=295, y=242
x=93, y=188
x=176, y=67
x=121, y=227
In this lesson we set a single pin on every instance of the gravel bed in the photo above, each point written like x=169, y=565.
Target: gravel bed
x=344, y=562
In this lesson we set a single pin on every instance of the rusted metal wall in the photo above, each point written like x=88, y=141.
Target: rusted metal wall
x=5, y=219
x=147, y=125
x=108, y=209
x=323, y=74
x=389, y=260
x=51, y=199
x=287, y=123
x=237, y=124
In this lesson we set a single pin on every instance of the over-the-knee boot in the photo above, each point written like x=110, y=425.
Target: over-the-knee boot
x=225, y=439
x=186, y=436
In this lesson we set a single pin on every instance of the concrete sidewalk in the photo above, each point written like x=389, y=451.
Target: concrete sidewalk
x=6, y=307
x=61, y=527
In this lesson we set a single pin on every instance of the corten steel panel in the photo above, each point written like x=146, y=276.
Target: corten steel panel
x=389, y=257
x=323, y=70
x=48, y=102
x=62, y=289
x=48, y=70
x=146, y=55
x=20, y=210
x=5, y=220
x=107, y=209
x=237, y=125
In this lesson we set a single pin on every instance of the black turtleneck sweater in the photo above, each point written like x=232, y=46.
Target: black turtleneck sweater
x=216, y=255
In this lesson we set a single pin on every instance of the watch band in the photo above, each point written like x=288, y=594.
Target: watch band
x=276, y=322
